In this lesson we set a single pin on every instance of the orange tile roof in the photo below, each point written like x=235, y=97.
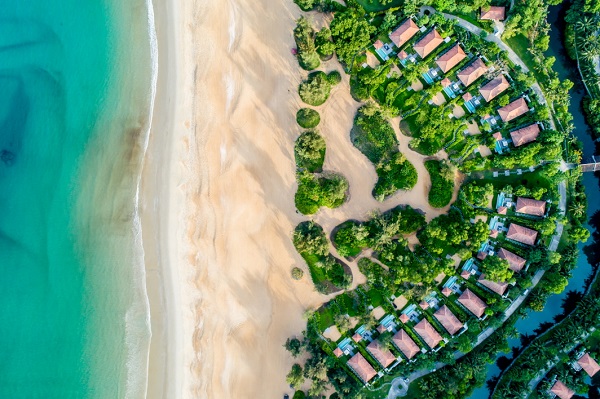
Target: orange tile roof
x=521, y=234
x=447, y=291
x=424, y=305
x=502, y=210
x=525, y=135
x=446, y=82
x=381, y=353
x=362, y=367
x=481, y=255
x=428, y=43
x=513, y=110
x=531, y=206
x=448, y=320
x=497, y=287
x=497, y=136
x=356, y=337
x=472, y=72
x=561, y=390
x=465, y=274
x=494, y=233
x=589, y=365
x=378, y=44
x=404, y=318
x=402, y=55
x=404, y=32
x=472, y=302
x=428, y=333
x=515, y=262
x=338, y=352
x=494, y=87
x=406, y=344
x=493, y=12
x=451, y=58
x=467, y=96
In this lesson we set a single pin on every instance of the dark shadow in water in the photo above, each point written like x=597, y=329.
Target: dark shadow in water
x=12, y=127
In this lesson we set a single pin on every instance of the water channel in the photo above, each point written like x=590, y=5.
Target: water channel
x=567, y=69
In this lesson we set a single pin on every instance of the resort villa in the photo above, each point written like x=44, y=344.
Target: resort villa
x=521, y=234
x=561, y=390
x=473, y=303
x=405, y=344
x=472, y=72
x=515, y=262
x=426, y=331
x=451, y=58
x=381, y=353
x=513, y=110
x=494, y=88
x=404, y=33
x=448, y=320
x=525, y=134
x=428, y=43
x=499, y=288
x=529, y=206
x=494, y=13
x=362, y=368
x=588, y=364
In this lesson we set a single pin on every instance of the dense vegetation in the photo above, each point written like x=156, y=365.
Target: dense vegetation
x=310, y=151
x=304, y=35
x=315, y=191
x=308, y=118
x=373, y=135
x=315, y=90
x=442, y=183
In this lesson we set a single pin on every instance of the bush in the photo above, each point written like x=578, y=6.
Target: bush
x=310, y=151
x=308, y=118
x=395, y=173
x=315, y=90
x=299, y=395
x=304, y=36
x=297, y=273
x=442, y=183
x=334, y=78
x=317, y=191
x=309, y=239
x=305, y=5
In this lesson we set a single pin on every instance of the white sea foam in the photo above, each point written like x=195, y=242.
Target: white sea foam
x=232, y=27
x=138, y=336
x=229, y=90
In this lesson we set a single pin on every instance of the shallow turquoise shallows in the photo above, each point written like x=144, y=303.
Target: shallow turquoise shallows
x=75, y=95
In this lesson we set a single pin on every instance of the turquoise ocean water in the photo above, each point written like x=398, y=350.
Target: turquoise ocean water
x=76, y=84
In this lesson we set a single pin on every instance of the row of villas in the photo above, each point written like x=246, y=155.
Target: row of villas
x=561, y=390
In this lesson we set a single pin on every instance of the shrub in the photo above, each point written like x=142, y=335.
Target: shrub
x=297, y=273
x=395, y=173
x=305, y=5
x=309, y=239
x=334, y=78
x=304, y=36
x=310, y=151
x=317, y=191
x=299, y=395
x=442, y=183
x=315, y=90
x=308, y=118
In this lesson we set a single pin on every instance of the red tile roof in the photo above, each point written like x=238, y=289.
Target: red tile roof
x=494, y=87
x=521, y=234
x=493, y=233
x=493, y=12
x=406, y=344
x=404, y=32
x=447, y=291
x=378, y=44
x=513, y=110
x=497, y=136
x=498, y=288
x=404, y=318
x=530, y=206
x=402, y=55
x=589, y=365
x=381, y=353
x=448, y=320
x=424, y=305
x=525, y=135
x=356, y=337
x=361, y=367
x=561, y=390
x=381, y=328
x=428, y=333
x=515, y=262
x=451, y=58
x=481, y=255
x=465, y=274
x=446, y=82
x=467, y=96
x=472, y=302
x=428, y=43
x=472, y=72
x=338, y=352
x=502, y=210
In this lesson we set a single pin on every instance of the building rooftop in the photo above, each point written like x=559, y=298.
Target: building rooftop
x=561, y=390
x=338, y=352
x=472, y=72
x=493, y=13
x=448, y=320
x=424, y=305
x=402, y=55
x=493, y=233
x=513, y=110
x=428, y=43
x=525, y=134
x=378, y=44
x=406, y=344
x=494, y=87
x=531, y=206
x=356, y=337
x=465, y=274
x=472, y=302
x=451, y=58
x=404, y=318
x=497, y=136
x=589, y=365
x=521, y=234
x=361, y=367
x=481, y=255
x=428, y=333
x=497, y=287
x=515, y=262
x=446, y=82
x=467, y=96
x=381, y=353
x=502, y=210
x=447, y=291
x=404, y=32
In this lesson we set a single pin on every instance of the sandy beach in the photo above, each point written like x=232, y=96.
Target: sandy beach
x=219, y=182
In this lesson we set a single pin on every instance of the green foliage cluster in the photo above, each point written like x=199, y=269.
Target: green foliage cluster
x=351, y=33
x=297, y=273
x=496, y=269
x=315, y=90
x=308, y=118
x=442, y=182
x=315, y=191
x=451, y=232
x=547, y=147
x=477, y=194
x=325, y=46
x=304, y=35
x=434, y=129
x=373, y=135
x=310, y=151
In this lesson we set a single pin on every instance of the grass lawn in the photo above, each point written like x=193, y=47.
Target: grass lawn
x=520, y=45
x=376, y=5
x=528, y=179
x=325, y=319
x=376, y=297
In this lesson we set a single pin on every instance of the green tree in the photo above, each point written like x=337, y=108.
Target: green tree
x=496, y=269
x=294, y=346
x=310, y=239
x=295, y=377
x=310, y=151
x=351, y=33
